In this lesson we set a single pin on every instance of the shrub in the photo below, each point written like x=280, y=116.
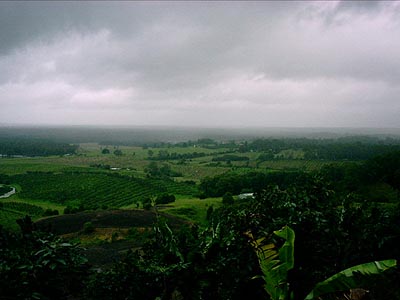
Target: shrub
x=227, y=198
x=105, y=151
x=146, y=202
x=88, y=227
x=165, y=199
x=118, y=152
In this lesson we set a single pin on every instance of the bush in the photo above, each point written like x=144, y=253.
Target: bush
x=165, y=199
x=227, y=198
x=88, y=227
x=118, y=152
x=146, y=202
x=105, y=151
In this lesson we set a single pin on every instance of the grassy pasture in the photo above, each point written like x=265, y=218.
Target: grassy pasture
x=192, y=209
x=12, y=166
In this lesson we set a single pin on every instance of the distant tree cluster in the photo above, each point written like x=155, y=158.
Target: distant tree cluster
x=118, y=152
x=34, y=147
x=268, y=155
x=166, y=155
x=105, y=151
x=154, y=170
x=347, y=148
x=235, y=183
x=354, y=151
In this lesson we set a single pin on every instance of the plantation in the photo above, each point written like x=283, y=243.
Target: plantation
x=26, y=208
x=94, y=190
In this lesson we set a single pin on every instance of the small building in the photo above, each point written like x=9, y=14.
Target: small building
x=246, y=196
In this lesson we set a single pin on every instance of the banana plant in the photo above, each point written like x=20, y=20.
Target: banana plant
x=275, y=264
x=355, y=277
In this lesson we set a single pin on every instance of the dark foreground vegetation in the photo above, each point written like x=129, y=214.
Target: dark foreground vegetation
x=336, y=227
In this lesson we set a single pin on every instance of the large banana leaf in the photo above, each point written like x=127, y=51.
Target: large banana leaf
x=275, y=264
x=354, y=277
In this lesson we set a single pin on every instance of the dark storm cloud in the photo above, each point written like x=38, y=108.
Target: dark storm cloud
x=200, y=63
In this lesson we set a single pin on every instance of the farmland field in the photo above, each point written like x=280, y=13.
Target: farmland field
x=93, y=189
x=93, y=178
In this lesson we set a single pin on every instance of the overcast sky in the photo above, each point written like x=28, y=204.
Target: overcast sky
x=209, y=64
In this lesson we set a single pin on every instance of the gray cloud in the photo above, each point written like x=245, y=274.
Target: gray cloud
x=200, y=63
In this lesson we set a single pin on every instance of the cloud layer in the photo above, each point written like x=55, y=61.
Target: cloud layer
x=211, y=64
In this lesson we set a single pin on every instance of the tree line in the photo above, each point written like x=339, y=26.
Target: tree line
x=34, y=147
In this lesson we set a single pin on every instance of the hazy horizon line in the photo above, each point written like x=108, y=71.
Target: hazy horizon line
x=158, y=126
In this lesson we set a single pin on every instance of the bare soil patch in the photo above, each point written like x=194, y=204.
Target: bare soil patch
x=104, y=219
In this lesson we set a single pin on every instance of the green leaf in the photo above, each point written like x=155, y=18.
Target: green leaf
x=275, y=264
x=40, y=252
x=286, y=253
x=354, y=277
x=62, y=261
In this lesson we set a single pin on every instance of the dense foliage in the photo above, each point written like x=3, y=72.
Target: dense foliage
x=36, y=265
x=165, y=199
x=235, y=183
x=34, y=147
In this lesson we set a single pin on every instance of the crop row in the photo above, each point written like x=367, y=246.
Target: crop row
x=308, y=165
x=95, y=189
x=25, y=208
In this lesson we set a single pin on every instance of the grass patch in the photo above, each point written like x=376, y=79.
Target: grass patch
x=192, y=209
